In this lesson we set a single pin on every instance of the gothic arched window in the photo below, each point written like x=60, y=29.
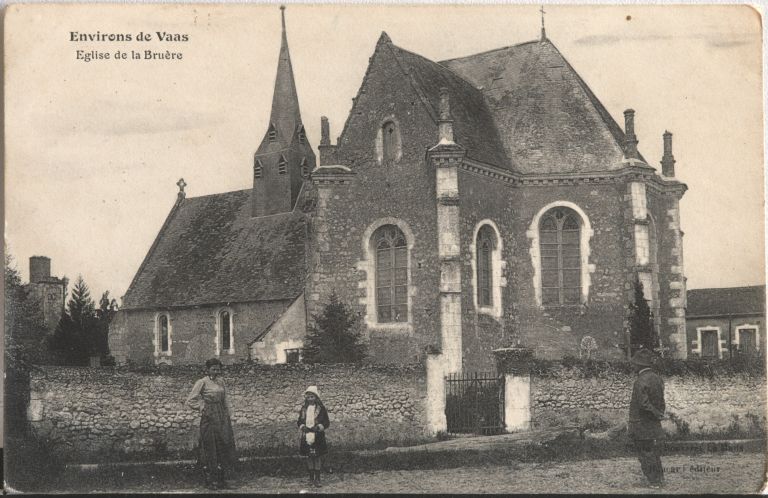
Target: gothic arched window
x=304, y=168
x=272, y=133
x=282, y=165
x=225, y=332
x=485, y=244
x=560, y=242
x=163, y=335
x=258, y=169
x=391, y=274
x=389, y=142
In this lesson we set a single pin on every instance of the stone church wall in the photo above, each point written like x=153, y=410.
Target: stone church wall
x=706, y=404
x=193, y=332
x=556, y=331
x=88, y=412
x=403, y=190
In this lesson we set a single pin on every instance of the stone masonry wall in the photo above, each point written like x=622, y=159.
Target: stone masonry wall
x=87, y=412
x=705, y=403
x=193, y=332
x=402, y=191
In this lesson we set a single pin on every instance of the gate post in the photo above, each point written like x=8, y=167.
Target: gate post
x=514, y=363
x=436, y=419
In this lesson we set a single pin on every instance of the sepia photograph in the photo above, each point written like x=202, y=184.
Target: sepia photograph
x=355, y=248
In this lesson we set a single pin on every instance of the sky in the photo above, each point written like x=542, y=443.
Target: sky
x=94, y=149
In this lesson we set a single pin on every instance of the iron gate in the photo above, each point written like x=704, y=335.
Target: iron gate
x=474, y=403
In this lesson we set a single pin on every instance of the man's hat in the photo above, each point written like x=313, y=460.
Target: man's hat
x=643, y=358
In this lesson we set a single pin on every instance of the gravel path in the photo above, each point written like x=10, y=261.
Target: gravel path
x=706, y=473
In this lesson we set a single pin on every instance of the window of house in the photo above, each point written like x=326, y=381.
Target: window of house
x=710, y=343
x=748, y=340
x=391, y=274
x=163, y=335
x=304, y=168
x=272, y=133
x=281, y=165
x=258, y=169
x=225, y=331
x=486, y=241
x=389, y=142
x=559, y=243
x=293, y=355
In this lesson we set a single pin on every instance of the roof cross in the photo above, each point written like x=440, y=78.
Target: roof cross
x=181, y=183
x=543, y=32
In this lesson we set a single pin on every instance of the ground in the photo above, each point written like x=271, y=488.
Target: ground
x=704, y=473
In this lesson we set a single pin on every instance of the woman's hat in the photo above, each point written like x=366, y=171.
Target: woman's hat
x=313, y=390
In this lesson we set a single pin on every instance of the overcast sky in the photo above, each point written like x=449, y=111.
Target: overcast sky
x=94, y=150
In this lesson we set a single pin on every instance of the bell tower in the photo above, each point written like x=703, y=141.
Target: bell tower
x=284, y=158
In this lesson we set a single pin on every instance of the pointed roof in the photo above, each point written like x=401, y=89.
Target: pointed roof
x=211, y=250
x=285, y=114
x=548, y=119
x=473, y=124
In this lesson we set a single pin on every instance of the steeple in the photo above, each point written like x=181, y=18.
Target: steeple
x=284, y=158
x=285, y=115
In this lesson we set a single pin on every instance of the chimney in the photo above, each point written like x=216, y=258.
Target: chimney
x=630, y=139
x=445, y=122
x=668, y=160
x=325, y=131
x=327, y=151
x=39, y=269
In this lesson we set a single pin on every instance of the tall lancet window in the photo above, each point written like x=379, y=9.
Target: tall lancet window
x=302, y=134
x=257, y=170
x=272, y=133
x=282, y=166
x=391, y=274
x=304, y=168
x=389, y=142
x=560, y=231
x=486, y=241
x=162, y=335
x=225, y=331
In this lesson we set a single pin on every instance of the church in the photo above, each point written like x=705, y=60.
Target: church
x=467, y=205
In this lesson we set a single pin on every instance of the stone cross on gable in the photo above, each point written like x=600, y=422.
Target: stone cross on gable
x=543, y=32
x=181, y=183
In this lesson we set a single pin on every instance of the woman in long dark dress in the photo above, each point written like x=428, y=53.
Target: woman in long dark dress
x=313, y=421
x=217, y=441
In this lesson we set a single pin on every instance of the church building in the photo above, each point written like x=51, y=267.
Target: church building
x=467, y=205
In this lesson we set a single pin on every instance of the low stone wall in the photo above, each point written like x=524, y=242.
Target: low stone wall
x=85, y=412
x=706, y=404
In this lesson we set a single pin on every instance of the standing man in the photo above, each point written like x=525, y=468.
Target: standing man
x=646, y=410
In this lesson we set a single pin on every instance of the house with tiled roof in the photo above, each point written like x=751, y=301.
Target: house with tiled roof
x=724, y=322
x=467, y=205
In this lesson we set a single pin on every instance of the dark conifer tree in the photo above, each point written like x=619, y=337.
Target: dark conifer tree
x=335, y=337
x=642, y=332
x=76, y=335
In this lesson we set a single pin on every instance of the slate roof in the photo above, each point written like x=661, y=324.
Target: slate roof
x=725, y=301
x=473, y=125
x=211, y=250
x=547, y=118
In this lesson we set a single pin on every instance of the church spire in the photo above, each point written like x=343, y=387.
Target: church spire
x=285, y=115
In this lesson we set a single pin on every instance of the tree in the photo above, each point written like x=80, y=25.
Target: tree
x=642, y=331
x=334, y=337
x=77, y=333
x=25, y=336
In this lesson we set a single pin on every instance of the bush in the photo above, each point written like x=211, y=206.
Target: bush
x=750, y=366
